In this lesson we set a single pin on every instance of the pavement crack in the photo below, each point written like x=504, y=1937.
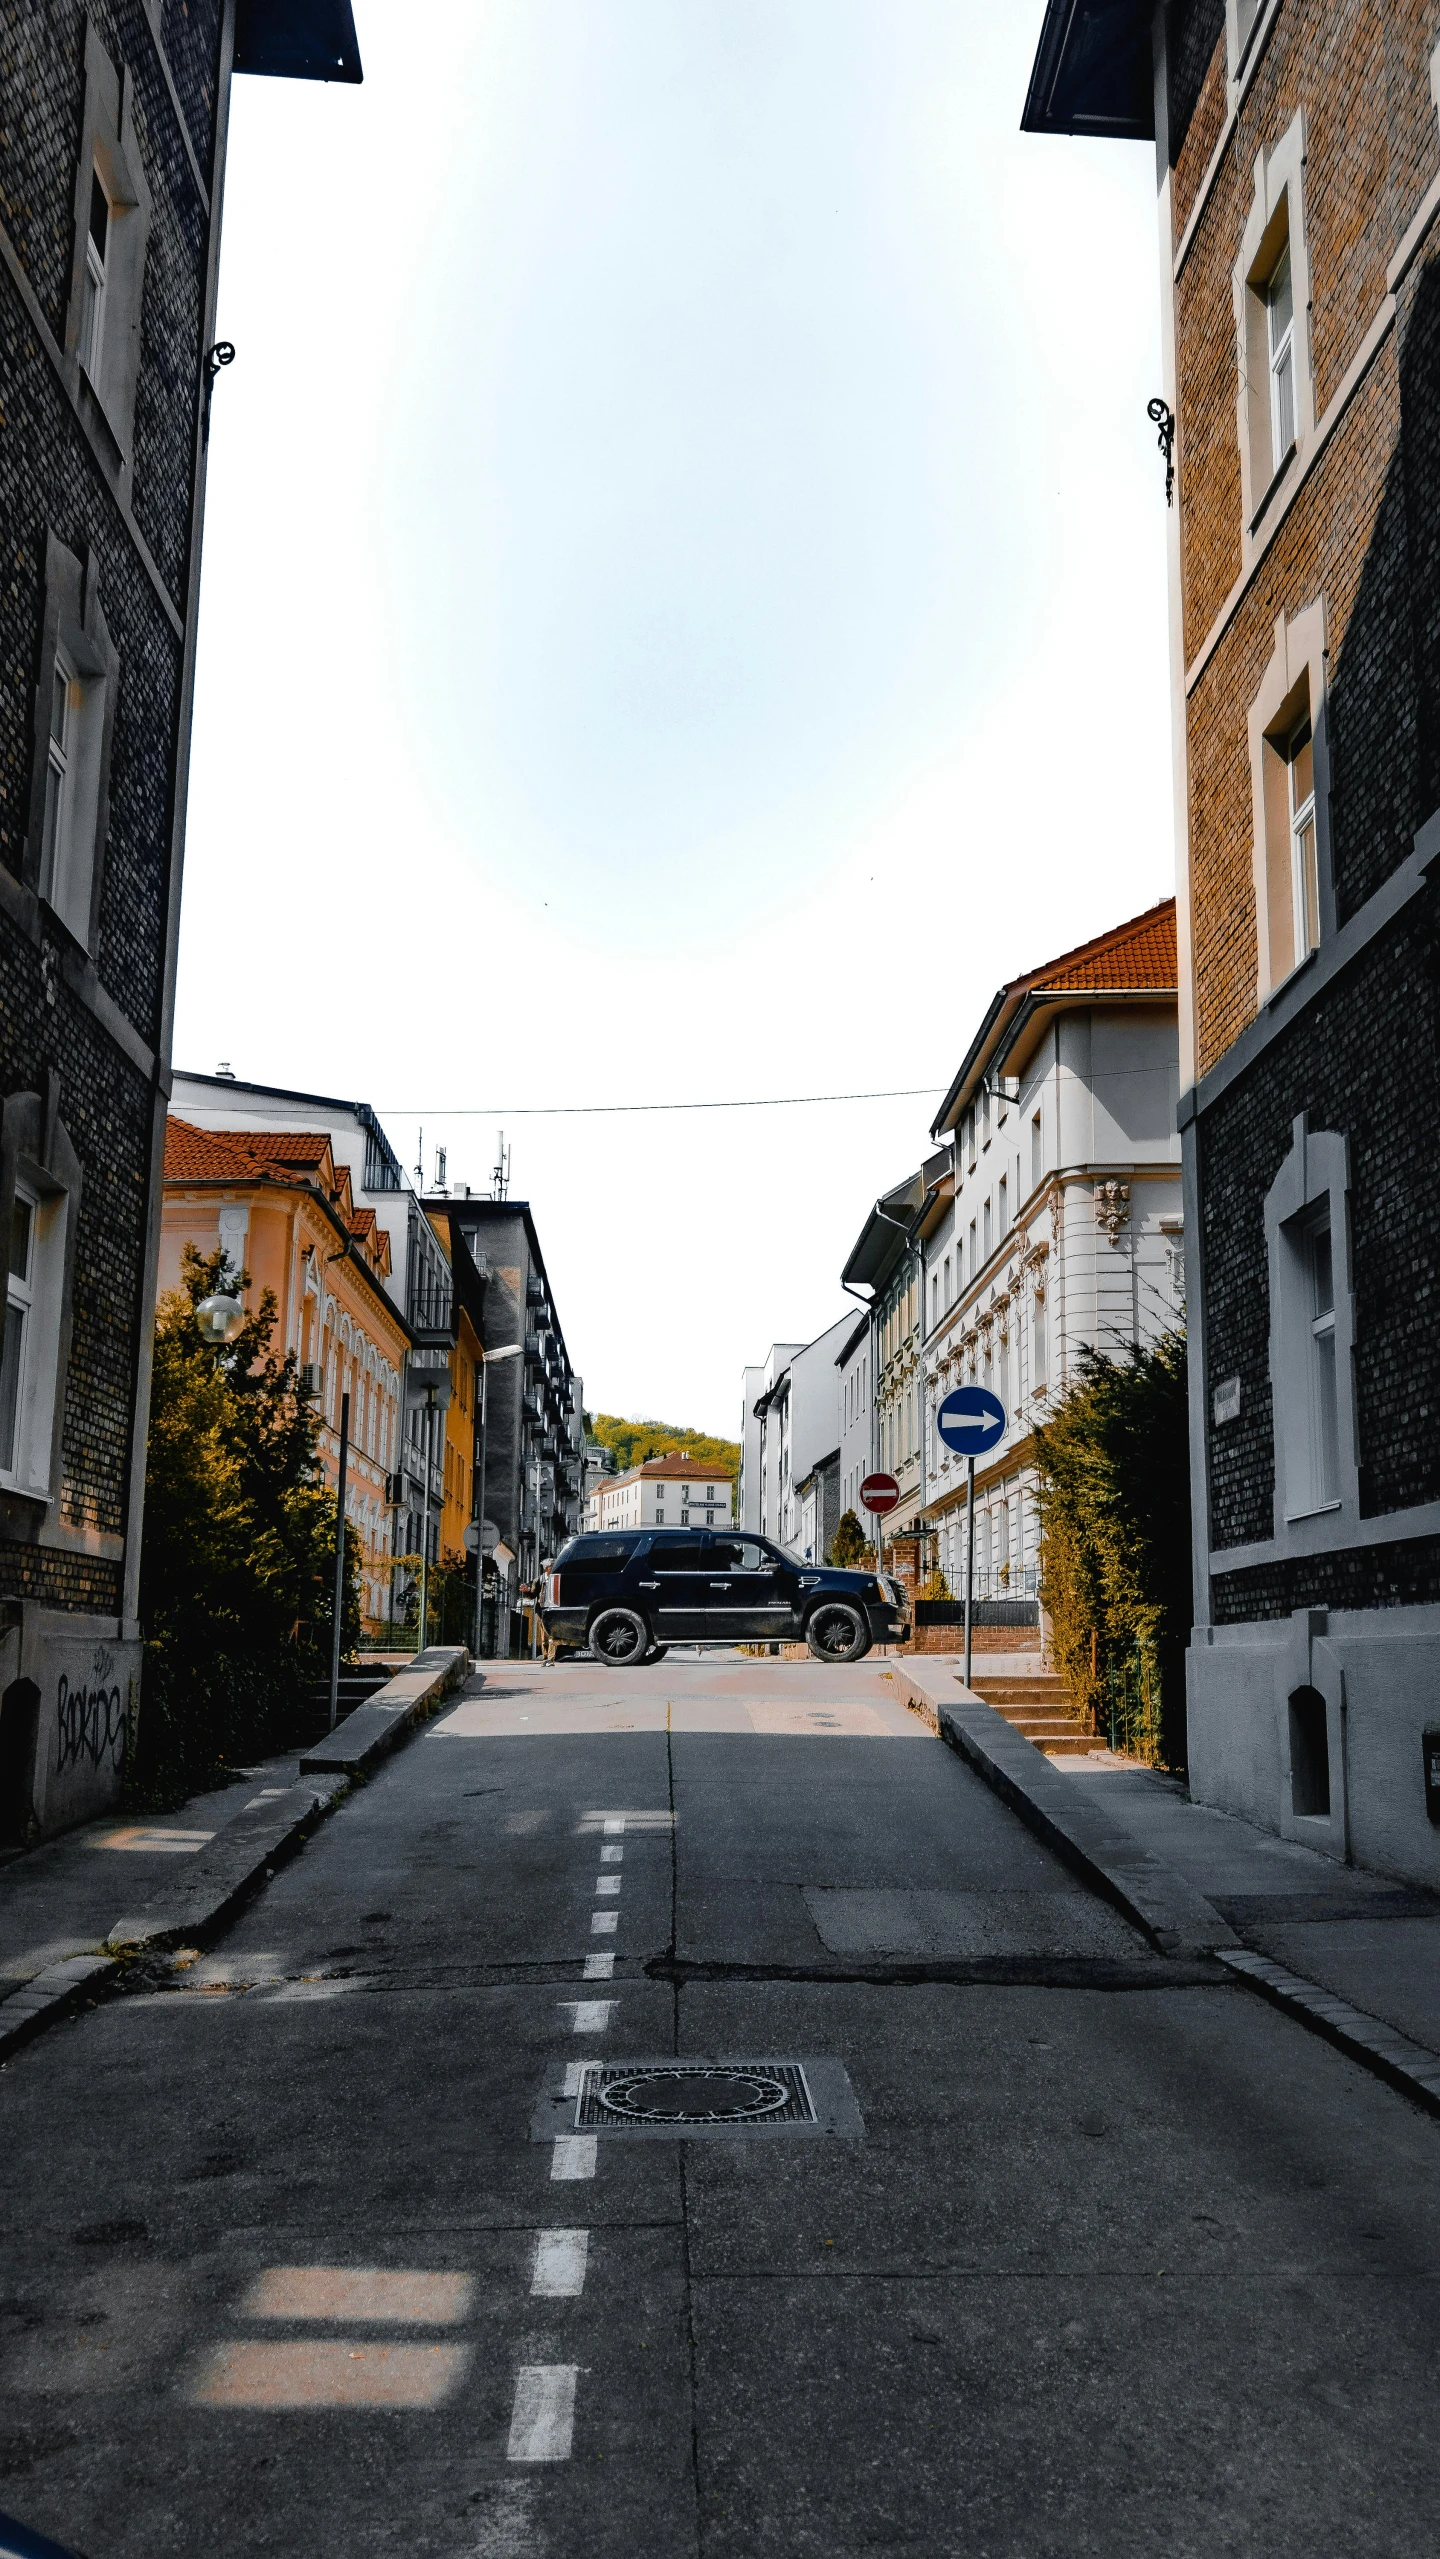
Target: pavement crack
x=1006, y=1972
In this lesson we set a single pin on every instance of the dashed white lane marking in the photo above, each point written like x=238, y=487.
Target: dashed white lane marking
x=608, y=1883
x=574, y=2158
x=574, y=2075
x=560, y=2261
x=603, y=1923
x=614, y=1823
x=599, y=1968
x=610, y=1856
x=589, y=2016
x=543, y=2423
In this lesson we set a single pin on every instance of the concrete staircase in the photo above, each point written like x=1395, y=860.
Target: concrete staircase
x=1036, y=1701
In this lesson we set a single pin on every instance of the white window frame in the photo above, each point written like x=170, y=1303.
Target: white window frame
x=69, y=800
x=1280, y=337
x=38, y=1165
x=1304, y=867
x=1311, y=1190
x=1292, y=691
x=102, y=327
x=1274, y=233
x=19, y=1302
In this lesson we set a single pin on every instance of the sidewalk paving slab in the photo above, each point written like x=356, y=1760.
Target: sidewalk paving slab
x=1353, y=1955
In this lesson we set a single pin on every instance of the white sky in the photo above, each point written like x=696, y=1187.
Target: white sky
x=683, y=616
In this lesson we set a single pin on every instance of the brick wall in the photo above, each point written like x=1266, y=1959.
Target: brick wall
x=51, y=480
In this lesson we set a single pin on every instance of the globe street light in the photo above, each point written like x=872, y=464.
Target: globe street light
x=220, y=1319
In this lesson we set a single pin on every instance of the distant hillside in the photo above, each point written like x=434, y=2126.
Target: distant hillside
x=633, y=1442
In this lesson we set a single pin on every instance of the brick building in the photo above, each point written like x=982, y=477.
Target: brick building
x=1298, y=163
x=112, y=148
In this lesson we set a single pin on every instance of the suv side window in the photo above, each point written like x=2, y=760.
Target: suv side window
x=739, y=1555
x=600, y=1555
x=682, y=1555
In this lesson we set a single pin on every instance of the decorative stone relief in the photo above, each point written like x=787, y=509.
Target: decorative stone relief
x=1112, y=1207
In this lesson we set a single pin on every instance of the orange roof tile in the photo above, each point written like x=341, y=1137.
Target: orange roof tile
x=204, y=1155
x=1134, y=956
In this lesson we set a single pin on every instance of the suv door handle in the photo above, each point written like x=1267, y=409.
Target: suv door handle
x=647, y=1586
x=719, y=1586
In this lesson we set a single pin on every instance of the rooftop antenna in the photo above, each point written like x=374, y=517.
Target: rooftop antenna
x=420, y=1157
x=500, y=1178
x=440, y=1163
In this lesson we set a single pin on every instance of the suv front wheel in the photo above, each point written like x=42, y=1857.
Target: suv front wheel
x=620, y=1636
x=837, y=1632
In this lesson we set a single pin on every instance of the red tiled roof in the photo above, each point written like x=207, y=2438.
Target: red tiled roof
x=1135, y=956
x=282, y=1146
x=206, y=1155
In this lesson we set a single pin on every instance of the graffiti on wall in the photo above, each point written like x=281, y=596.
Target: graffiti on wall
x=90, y=1718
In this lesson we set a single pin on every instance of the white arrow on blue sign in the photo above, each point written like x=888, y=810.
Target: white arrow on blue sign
x=971, y=1420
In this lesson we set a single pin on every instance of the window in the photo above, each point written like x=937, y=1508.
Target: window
x=18, y=1304
x=984, y=1115
x=949, y=1293
x=1304, y=871
x=1311, y=1331
x=1037, y=1151
x=1280, y=307
x=989, y=1231
x=74, y=707
x=1289, y=775
x=1039, y=1345
x=1324, y=1415
x=92, y=315
x=1004, y=1203
x=1275, y=394
x=935, y=1297
x=972, y=1248
x=39, y=1193
x=111, y=235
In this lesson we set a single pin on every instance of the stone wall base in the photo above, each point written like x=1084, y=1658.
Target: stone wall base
x=1377, y=1672
x=69, y=1696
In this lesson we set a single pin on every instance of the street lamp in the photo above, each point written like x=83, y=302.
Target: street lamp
x=219, y=1319
x=488, y=1360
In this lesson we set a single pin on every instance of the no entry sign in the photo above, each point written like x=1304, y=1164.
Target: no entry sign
x=879, y=1493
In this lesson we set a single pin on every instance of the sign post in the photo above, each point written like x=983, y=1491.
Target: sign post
x=879, y=1494
x=971, y=1420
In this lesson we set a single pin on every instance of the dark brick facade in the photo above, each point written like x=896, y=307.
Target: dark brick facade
x=94, y=1018
x=1362, y=533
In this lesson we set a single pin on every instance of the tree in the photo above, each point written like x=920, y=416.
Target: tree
x=237, y=1568
x=847, y=1547
x=1114, y=1501
x=634, y=1441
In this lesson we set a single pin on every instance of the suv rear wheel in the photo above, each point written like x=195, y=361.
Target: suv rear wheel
x=837, y=1632
x=619, y=1636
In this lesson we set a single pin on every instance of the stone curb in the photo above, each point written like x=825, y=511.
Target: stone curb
x=374, y=1729
x=190, y=1910
x=1377, y=2047
x=51, y=1995
x=1176, y=1919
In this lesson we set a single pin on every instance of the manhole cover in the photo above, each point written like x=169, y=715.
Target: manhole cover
x=614, y=2094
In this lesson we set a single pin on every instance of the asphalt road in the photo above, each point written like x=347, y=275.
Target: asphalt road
x=1083, y=2252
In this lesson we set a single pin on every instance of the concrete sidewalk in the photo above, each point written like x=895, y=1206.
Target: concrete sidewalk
x=1353, y=1954
x=123, y=1888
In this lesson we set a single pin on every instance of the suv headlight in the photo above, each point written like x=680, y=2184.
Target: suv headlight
x=894, y=1593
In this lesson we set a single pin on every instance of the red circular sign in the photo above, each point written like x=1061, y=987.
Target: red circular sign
x=879, y=1493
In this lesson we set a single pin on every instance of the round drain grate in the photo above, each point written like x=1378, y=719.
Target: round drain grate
x=704, y=2096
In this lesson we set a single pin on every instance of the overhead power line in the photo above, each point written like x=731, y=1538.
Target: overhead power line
x=594, y=1110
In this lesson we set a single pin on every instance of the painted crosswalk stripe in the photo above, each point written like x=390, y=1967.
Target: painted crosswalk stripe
x=542, y=2424
x=599, y=1968
x=608, y=1883
x=560, y=2261
x=589, y=2016
x=575, y=2076
x=574, y=2158
x=603, y=1923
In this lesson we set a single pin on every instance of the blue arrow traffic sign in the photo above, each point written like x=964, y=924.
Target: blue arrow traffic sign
x=971, y=1420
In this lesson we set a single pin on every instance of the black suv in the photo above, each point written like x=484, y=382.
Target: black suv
x=632, y=1594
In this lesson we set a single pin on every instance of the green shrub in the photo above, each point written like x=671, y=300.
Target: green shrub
x=1114, y=1499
